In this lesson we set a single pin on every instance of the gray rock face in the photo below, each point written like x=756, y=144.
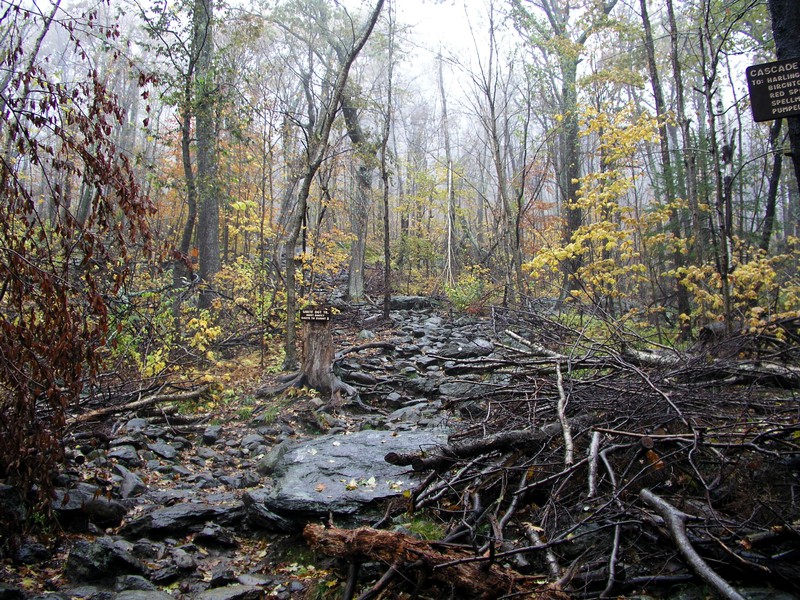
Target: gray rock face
x=100, y=559
x=233, y=592
x=342, y=473
x=181, y=518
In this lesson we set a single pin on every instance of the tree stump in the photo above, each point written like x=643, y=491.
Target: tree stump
x=316, y=370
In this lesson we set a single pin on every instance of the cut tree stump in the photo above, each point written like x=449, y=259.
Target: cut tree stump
x=316, y=370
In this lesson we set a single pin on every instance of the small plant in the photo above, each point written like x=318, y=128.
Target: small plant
x=426, y=529
x=470, y=290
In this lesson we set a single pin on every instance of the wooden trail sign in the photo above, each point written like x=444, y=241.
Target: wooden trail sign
x=315, y=313
x=774, y=89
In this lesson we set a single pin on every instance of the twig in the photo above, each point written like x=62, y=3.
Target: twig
x=676, y=523
x=594, y=448
x=553, y=570
x=536, y=349
x=562, y=418
x=381, y=584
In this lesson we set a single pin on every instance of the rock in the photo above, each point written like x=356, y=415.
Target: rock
x=126, y=454
x=181, y=518
x=215, y=535
x=411, y=303
x=133, y=582
x=232, y=592
x=101, y=559
x=268, y=464
x=131, y=484
x=144, y=595
x=163, y=449
x=260, y=517
x=11, y=507
x=212, y=434
x=10, y=592
x=342, y=473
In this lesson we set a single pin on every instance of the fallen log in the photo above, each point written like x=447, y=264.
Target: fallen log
x=405, y=553
x=138, y=404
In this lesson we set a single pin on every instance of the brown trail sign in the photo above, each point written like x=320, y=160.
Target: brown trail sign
x=774, y=89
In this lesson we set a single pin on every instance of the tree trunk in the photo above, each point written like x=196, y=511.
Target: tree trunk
x=774, y=180
x=207, y=188
x=688, y=152
x=785, y=25
x=387, y=255
x=318, y=141
x=359, y=205
x=449, y=269
x=666, y=166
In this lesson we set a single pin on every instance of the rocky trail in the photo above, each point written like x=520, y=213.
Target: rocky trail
x=495, y=456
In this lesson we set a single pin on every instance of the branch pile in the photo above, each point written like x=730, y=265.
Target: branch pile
x=605, y=471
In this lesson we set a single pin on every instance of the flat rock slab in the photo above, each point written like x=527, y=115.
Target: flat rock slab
x=343, y=472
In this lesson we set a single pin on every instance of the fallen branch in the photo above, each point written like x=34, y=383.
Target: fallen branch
x=562, y=418
x=367, y=346
x=444, y=456
x=137, y=404
x=676, y=523
x=403, y=552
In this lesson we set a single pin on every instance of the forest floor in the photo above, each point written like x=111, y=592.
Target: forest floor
x=578, y=465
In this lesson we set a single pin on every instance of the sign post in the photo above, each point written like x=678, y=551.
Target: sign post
x=774, y=89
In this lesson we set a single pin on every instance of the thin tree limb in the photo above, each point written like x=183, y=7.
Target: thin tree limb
x=676, y=523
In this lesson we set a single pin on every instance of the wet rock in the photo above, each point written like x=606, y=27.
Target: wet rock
x=232, y=592
x=163, y=449
x=101, y=559
x=215, y=535
x=131, y=484
x=411, y=302
x=259, y=516
x=132, y=583
x=143, y=595
x=212, y=434
x=342, y=473
x=10, y=592
x=181, y=518
x=126, y=454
